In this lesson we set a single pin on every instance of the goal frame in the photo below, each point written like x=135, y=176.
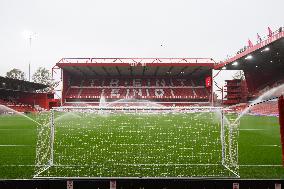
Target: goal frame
x=123, y=109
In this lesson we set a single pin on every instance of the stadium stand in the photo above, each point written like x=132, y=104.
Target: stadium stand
x=265, y=108
x=167, y=81
x=23, y=96
x=171, y=80
x=269, y=86
x=262, y=64
x=136, y=88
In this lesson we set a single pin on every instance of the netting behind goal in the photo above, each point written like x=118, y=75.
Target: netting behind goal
x=137, y=142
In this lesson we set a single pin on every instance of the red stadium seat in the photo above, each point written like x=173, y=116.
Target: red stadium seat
x=159, y=89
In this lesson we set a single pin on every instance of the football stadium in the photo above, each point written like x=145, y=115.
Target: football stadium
x=149, y=118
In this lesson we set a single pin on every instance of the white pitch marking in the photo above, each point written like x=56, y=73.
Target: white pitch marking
x=260, y=165
x=21, y=165
x=125, y=164
x=268, y=145
x=14, y=129
x=138, y=164
x=10, y=145
x=253, y=129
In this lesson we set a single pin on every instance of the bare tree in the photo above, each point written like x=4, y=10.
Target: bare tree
x=239, y=75
x=16, y=74
x=43, y=76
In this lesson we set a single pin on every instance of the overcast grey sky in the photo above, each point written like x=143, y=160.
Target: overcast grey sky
x=129, y=28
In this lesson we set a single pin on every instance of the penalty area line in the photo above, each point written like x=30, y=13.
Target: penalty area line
x=261, y=165
x=134, y=165
x=268, y=145
x=20, y=165
x=252, y=129
x=125, y=164
x=12, y=145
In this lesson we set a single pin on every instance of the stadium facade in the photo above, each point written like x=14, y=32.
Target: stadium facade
x=169, y=81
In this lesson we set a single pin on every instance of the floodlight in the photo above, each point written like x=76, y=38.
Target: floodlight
x=235, y=63
x=265, y=49
x=27, y=34
x=248, y=57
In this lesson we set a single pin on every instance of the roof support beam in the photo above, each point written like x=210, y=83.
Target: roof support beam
x=156, y=71
x=118, y=71
x=169, y=70
x=131, y=71
x=78, y=70
x=182, y=70
x=93, y=71
x=195, y=70
x=106, y=71
x=144, y=69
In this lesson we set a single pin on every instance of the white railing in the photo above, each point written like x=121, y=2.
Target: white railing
x=137, y=61
x=262, y=42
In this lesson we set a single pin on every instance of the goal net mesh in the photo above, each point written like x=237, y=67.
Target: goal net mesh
x=136, y=142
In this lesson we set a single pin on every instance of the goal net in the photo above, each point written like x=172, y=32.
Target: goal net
x=135, y=142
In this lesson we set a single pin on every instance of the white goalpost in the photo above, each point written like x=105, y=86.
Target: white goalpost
x=135, y=142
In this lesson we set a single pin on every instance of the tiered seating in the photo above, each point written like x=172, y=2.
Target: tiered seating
x=81, y=104
x=141, y=103
x=267, y=87
x=20, y=107
x=265, y=108
x=136, y=88
x=268, y=108
x=118, y=93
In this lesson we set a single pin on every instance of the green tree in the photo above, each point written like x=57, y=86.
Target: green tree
x=16, y=74
x=43, y=76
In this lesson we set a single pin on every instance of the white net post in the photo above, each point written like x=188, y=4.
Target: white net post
x=230, y=133
x=51, y=137
x=45, y=143
x=222, y=135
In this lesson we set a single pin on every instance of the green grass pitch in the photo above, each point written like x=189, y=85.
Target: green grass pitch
x=97, y=145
